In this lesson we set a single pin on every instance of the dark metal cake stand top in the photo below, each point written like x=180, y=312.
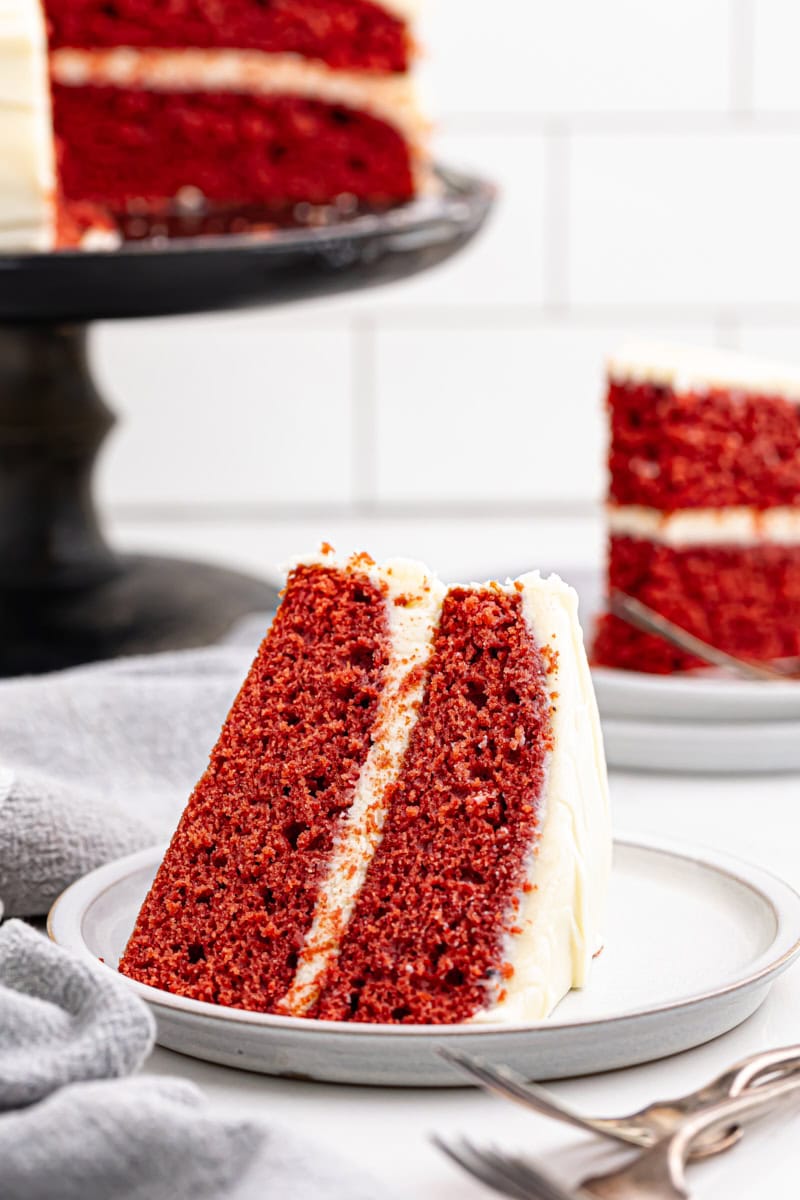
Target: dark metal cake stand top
x=168, y=276
x=66, y=597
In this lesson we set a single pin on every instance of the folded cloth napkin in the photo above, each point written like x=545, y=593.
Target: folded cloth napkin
x=66, y=1022
x=98, y=761
x=137, y=1139
x=62, y=1020
x=70, y=1033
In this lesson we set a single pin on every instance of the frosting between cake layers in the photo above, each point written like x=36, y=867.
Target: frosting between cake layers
x=389, y=97
x=686, y=369
x=27, y=167
x=562, y=913
x=413, y=604
x=735, y=526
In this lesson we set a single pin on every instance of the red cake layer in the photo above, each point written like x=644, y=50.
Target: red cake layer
x=346, y=34
x=127, y=148
x=742, y=599
x=702, y=450
x=234, y=897
x=425, y=943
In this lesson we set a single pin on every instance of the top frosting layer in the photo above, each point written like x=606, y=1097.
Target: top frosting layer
x=687, y=369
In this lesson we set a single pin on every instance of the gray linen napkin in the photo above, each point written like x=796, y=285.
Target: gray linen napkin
x=99, y=761
x=62, y=1020
x=137, y=1139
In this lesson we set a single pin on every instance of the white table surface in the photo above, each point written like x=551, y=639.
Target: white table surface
x=387, y=1130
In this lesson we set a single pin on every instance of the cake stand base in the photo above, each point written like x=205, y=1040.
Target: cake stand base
x=148, y=604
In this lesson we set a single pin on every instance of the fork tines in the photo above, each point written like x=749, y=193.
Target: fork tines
x=505, y=1173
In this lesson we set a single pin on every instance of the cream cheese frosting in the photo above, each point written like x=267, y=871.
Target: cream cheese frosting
x=390, y=97
x=684, y=369
x=413, y=603
x=27, y=167
x=734, y=526
x=560, y=920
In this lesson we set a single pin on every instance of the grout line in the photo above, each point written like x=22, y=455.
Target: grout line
x=594, y=124
x=557, y=219
x=418, y=510
x=364, y=432
x=741, y=16
x=527, y=316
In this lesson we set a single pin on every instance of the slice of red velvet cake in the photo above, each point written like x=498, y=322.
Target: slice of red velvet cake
x=704, y=504
x=117, y=110
x=405, y=818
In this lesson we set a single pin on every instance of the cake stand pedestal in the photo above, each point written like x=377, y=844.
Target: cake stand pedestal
x=66, y=597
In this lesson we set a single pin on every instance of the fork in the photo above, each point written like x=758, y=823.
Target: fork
x=656, y=1174
x=645, y=1127
x=649, y=621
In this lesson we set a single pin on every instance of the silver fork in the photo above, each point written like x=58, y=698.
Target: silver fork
x=657, y=1174
x=627, y=608
x=645, y=1127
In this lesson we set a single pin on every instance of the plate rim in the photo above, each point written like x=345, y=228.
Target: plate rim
x=779, y=895
x=703, y=729
x=706, y=686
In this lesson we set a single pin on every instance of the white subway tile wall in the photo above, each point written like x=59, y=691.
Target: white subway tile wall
x=648, y=157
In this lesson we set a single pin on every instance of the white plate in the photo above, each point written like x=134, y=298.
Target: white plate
x=695, y=940
x=702, y=747
x=694, y=697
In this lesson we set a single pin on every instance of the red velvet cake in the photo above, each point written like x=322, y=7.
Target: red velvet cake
x=405, y=817
x=113, y=110
x=704, y=505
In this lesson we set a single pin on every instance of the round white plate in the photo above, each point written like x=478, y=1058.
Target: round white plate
x=695, y=939
x=695, y=697
x=702, y=747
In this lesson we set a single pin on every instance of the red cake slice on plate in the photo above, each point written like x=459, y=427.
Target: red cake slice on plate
x=405, y=818
x=704, y=504
x=113, y=111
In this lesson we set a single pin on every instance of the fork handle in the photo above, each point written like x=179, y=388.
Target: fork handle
x=786, y=1060
x=749, y=1105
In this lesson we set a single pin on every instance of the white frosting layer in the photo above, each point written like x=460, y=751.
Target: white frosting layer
x=390, y=97
x=27, y=168
x=561, y=919
x=406, y=10
x=707, y=526
x=413, y=604
x=684, y=368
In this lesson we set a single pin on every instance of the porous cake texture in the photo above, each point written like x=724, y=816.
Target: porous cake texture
x=704, y=504
x=112, y=112
x=405, y=819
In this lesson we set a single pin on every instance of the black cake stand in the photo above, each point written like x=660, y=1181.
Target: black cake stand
x=66, y=596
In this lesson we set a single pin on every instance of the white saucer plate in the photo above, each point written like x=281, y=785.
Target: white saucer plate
x=695, y=697
x=702, y=747
x=695, y=941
